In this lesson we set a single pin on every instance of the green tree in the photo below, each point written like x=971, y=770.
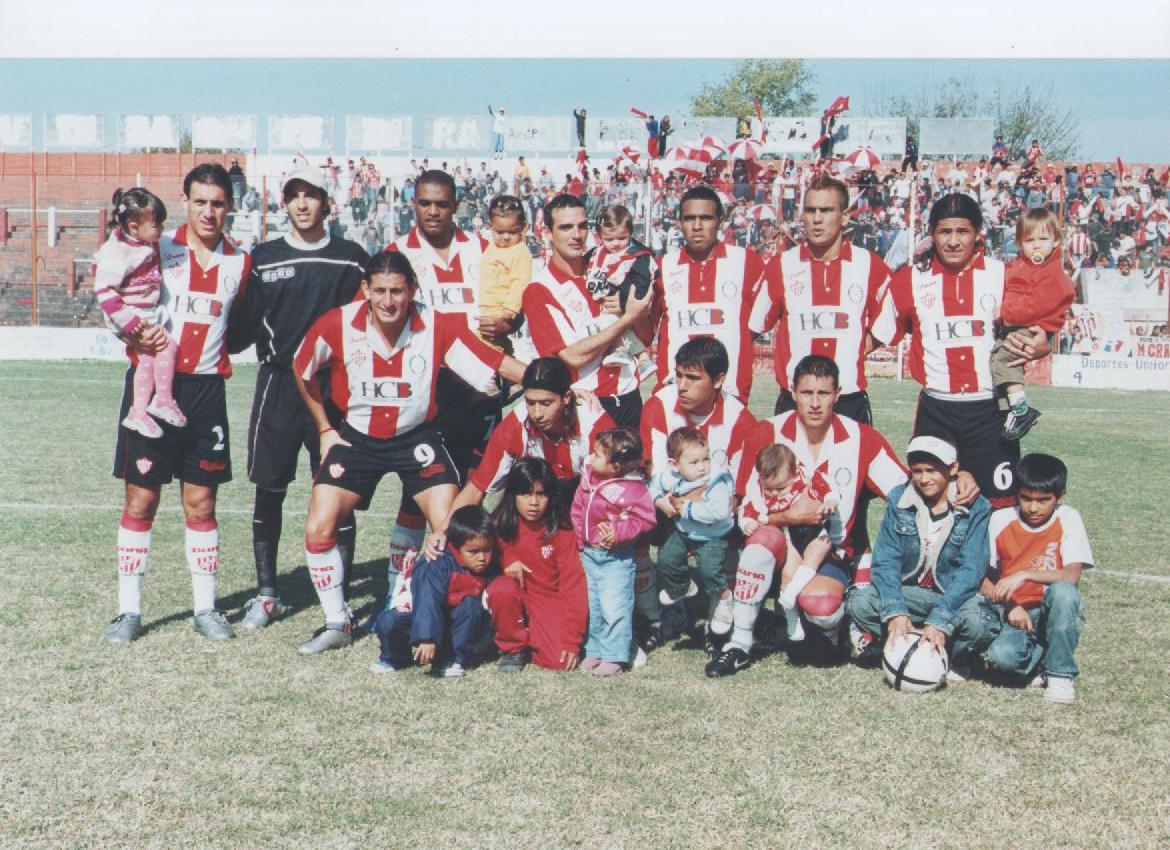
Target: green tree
x=780, y=86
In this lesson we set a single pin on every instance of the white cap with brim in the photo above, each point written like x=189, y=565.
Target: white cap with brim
x=306, y=174
x=937, y=448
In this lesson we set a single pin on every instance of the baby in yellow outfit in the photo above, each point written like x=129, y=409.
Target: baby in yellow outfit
x=506, y=266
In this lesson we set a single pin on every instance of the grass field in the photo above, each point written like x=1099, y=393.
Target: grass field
x=176, y=742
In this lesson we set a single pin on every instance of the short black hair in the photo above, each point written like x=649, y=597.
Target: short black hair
x=435, y=177
x=701, y=193
x=956, y=205
x=563, y=201
x=1042, y=473
x=819, y=366
x=549, y=374
x=705, y=351
x=211, y=173
x=392, y=262
x=468, y=522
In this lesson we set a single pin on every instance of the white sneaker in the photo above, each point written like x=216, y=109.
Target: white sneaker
x=454, y=670
x=1060, y=689
x=1038, y=681
x=639, y=659
x=380, y=666
x=955, y=676
x=665, y=598
x=721, y=617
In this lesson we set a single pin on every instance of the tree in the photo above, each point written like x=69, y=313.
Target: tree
x=780, y=86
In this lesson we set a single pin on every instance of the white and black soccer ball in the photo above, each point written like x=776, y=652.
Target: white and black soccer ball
x=914, y=667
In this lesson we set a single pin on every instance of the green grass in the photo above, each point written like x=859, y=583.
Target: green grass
x=173, y=741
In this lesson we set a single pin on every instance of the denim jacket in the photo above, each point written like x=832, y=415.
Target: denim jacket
x=897, y=552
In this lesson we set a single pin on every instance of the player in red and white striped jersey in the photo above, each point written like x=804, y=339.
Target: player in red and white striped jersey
x=384, y=355
x=563, y=317
x=949, y=310
x=707, y=288
x=1080, y=247
x=822, y=297
x=203, y=276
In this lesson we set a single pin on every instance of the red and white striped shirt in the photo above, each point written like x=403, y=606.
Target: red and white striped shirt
x=447, y=287
x=727, y=428
x=709, y=298
x=516, y=437
x=1078, y=244
x=560, y=312
x=853, y=455
x=200, y=300
x=951, y=319
x=758, y=505
x=385, y=392
x=825, y=307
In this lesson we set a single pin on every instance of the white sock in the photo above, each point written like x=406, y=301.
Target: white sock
x=203, y=561
x=743, y=620
x=800, y=579
x=753, y=576
x=405, y=542
x=795, y=627
x=133, y=555
x=326, y=571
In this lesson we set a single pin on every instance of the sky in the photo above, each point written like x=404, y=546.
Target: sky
x=1118, y=87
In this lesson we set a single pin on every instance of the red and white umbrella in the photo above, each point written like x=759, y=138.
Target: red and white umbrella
x=746, y=149
x=763, y=212
x=712, y=145
x=863, y=157
x=690, y=162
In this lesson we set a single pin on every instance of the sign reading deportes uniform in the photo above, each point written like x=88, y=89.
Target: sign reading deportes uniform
x=852, y=455
x=951, y=320
x=826, y=308
x=448, y=287
x=386, y=392
x=516, y=437
x=727, y=429
x=560, y=312
x=199, y=300
x=711, y=298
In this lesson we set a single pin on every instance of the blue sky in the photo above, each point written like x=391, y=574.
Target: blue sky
x=1123, y=104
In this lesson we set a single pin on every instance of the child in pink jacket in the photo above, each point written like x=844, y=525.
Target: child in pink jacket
x=611, y=508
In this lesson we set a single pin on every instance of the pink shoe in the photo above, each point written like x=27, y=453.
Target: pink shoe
x=590, y=664
x=143, y=424
x=168, y=411
x=608, y=668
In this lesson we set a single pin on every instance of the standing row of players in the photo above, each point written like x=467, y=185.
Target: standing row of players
x=398, y=380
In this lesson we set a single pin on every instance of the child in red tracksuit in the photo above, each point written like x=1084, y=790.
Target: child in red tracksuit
x=611, y=509
x=540, y=604
x=1036, y=292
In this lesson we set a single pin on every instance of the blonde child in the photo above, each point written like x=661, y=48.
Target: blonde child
x=611, y=509
x=506, y=266
x=128, y=287
x=1036, y=292
x=781, y=483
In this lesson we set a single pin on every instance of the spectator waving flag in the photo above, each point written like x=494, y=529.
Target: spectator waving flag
x=760, y=118
x=837, y=106
x=639, y=113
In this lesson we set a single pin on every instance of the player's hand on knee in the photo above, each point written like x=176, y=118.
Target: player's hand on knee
x=1018, y=616
x=424, y=653
x=434, y=546
x=896, y=629
x=516, y=571
x=329, y=439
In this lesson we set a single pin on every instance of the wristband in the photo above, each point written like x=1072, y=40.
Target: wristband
x=324, y=431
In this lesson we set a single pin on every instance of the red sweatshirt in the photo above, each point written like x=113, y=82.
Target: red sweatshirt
x=1036, y=294
x=557, y=577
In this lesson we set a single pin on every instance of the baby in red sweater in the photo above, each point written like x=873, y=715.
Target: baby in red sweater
x=1037, y=292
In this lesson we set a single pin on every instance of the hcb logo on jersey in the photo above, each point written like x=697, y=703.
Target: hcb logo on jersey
x=384, y=390
x=698, y=317
x=824, y=320
x=451, y=296
x=196, y=305
x=960, y=329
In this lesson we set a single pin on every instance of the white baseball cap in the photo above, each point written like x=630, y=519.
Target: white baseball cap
x=936, y=447
x=306, y=174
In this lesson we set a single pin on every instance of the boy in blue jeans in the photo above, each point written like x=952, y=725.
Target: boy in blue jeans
x=1038, y=550
x=446, y=620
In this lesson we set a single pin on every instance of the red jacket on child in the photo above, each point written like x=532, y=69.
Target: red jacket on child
x=1036, y=294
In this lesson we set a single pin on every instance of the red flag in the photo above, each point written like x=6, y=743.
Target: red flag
x=760, y=118
x=837, y=106
x=1120, y=168
x=819, y=142
x=639, y=112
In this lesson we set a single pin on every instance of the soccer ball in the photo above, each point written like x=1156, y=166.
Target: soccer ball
x=914, y=667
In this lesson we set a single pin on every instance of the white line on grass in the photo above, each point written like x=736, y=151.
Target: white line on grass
x=1135, y=576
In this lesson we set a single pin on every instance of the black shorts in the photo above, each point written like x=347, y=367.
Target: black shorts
x=974, y=427
x=197, y=454
x=624, y=410
x=279, y=427
x=854, y=405
x=419, y=457
x=466, y=419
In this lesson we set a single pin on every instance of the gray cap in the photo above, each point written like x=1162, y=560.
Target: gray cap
x=306, y=174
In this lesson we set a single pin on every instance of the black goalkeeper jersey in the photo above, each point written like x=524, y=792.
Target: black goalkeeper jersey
x=291, y=286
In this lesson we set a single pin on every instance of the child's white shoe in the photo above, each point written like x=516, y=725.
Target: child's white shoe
x=168, y=412
x=142, y=424
x=721, y=617
x=1060, y=690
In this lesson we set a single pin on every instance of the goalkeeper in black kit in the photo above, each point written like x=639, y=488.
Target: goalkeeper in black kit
x=295, y=279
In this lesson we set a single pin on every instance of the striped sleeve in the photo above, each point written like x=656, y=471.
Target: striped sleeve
x=465, y=354
x=769, y=299
x=316, y=348
x=897, y=306
x=505, y=445
x=883, y=470
x=538, y=310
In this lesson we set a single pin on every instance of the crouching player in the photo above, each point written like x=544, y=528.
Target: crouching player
x=928, y=560
x=448, y=623
x=1038, y=550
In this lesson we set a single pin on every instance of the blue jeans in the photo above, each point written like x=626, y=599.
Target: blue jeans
x=393, y=630
x=498, y=142
x=1049, y=647
x=977, y=623
x=610, y=575
x=468, y=627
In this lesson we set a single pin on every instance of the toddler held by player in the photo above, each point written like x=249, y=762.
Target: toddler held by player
x=1036, y=292
x=128, y=287
x=611, y=509
x=618, y=266
x=506, y=265
x=781, y=483
x=702, y=507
